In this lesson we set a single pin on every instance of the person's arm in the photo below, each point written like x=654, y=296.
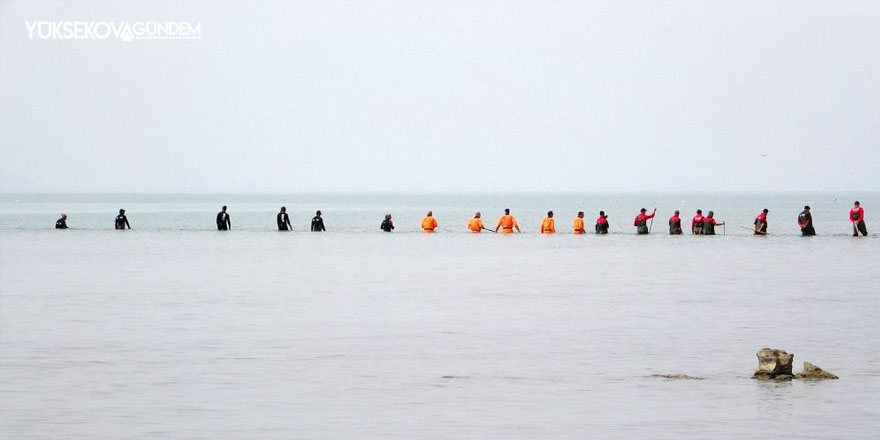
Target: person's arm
x=516, y=225
x=228, y=222
x=498, y=226
x=322, y=225
x=126, y=223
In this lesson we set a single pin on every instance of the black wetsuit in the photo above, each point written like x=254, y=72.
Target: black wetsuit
x=317, y=224
x=708, y=226
x=806, y=218
x=602, y=228
x=122, y=222
x=61, y=224
x=283, y=221
x=675, y=226
x=763, y=223
x=223, y=221
x=387, y=225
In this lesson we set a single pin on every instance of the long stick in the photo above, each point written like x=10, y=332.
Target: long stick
x=494, y=232
x=652, y=220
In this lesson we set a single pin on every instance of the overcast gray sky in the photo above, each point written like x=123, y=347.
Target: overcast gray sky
x=446, y=96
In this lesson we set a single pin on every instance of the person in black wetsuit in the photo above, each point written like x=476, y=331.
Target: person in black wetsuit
x=602, y=223
x=223, y=221
x=318, y=222
x=122, y=220
x=61, y=223
x=805, y=221
x=387, y=225
x=709, y=223
x=283, y=220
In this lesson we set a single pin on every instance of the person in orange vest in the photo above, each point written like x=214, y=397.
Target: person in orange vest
x=548, y=225
x=507, y=223
x=429, y=223
x=578, y=224
x=476, y=224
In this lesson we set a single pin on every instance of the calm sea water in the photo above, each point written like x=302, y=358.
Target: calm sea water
x=175, y=330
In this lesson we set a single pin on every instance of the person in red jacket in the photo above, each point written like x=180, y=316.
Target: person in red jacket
x=761, y=222
x=697, y=223
x=675, y=224
x=641, y=221
x=857, y=217
x=602, y=223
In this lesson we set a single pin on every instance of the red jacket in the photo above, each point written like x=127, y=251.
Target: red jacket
x=641, y=218
x=856, y=214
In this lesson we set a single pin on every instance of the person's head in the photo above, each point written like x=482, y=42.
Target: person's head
x=121, y=211
x=807, y=208
x=700, y=211
x=549, y=213
x=477, y=214
x=580, y=214
x=601, y=213
x=643, y=210
x=507, y=210
x=857, y=203
x=63, y=215
x=283, y=209
x=387, y=216
x=318, y=213
x=430, y=213
x=223, y=208
x=711, y=214
x=676, y=212
x=766, y=211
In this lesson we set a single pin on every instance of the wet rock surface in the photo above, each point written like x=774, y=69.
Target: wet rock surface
x=774, y=364
x=814, y=372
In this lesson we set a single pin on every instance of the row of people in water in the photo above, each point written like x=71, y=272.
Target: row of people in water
x=507, y=224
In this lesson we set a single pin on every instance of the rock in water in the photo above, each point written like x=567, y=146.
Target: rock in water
x=814, y=372
x=774, y=364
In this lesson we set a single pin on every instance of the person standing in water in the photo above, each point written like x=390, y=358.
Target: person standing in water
x=602, y=223
x=224, y=223
x=857, y=218
x=283, y=220
x=548, y=225
x=697, y=223
x=61, y=223
x=761, y=222
x=675, y=224
x=507, y=223
x=318, y=222
x=709, y=224
x=429, y=223
x=641, y=221
x=122, y=220
x=577, y=225
x=475, y=224
x=805, y=221
x=387, y=225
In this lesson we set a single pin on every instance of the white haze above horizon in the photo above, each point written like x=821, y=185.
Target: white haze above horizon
x=446, y=96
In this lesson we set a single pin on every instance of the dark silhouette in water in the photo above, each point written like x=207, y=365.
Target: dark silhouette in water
x=61, y=223
x=283, y=220
x=122, y=220
x=223, y=221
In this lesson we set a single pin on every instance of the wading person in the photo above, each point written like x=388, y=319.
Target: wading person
x=121, y=220
x=761, y=222
x=283, y=220
x=602, y=223
x=548, y=225
x=805, y=221
x=61, y=223
x=675, y=224
x=387, y=225
x=641, y=221
x=857, y=217
x=475, y=224
x=429, y=223
x=224, y=223
x=507, y=223
x=577, y=225
x=697, y=223
x=709, y=224
x=318, y=222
